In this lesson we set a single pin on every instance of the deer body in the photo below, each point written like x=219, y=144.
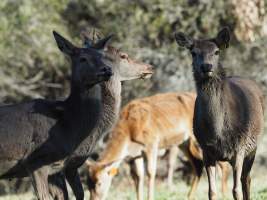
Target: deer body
x=228, y=114
x=238, y=114
x=146, y=125
x=46, y=134
x=151, y=112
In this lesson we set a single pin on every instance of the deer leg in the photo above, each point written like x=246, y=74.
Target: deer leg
x=137, y=173
x=73, y=179
x=237, y=170
x=197, y=166
x=198, y=169
x=39, y=180
x=171, y=164
x=58, y=187
x=225, y=175
x=151, y=156
x=211, y=172
x=245, y=177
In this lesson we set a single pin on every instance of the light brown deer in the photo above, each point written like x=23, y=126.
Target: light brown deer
x=145, y=126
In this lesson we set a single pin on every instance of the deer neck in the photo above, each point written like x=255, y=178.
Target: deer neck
x=117, y=148
x=212, y=89
x=83, y=110
x=111, y=101
x=211, y=97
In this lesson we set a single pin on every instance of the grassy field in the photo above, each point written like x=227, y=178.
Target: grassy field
x=259, y=191
x=123, y=190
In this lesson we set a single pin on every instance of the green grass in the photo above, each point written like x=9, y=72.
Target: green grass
x=258, y=190
x=123, y=190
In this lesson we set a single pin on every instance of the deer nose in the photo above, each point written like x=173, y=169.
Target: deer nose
x=206, y=67
x=149, y=68
x=106, y=71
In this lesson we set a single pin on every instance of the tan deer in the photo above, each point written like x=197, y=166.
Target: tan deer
x=145, y=126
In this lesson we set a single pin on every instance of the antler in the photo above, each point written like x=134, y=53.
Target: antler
x=90, y=37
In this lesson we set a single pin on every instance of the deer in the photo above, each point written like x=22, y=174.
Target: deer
x=229, y=112
x=123, y=68
x=162, y=121
x=39, y=136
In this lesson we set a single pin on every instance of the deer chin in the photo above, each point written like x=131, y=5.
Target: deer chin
x=208, y=74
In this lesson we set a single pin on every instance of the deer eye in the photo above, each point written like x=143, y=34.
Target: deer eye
x=123, y=56
x=98, y=184
x=83, y=60
x=217, y=52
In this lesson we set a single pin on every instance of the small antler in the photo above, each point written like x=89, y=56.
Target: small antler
x=90, y=37
x=87, y=42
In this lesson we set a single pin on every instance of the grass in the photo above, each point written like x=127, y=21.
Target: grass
x=258, y=189
x=123, y=190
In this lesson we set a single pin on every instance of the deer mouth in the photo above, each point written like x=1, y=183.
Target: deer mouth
x=105, y=74
x=207, y=74
x=146, y=75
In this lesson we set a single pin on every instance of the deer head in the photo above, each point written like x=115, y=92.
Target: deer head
x=205, y=53
x=124, y=67
x=99, y=179
x=88, y=67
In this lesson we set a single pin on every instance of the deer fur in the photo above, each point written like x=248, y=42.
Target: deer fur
x=228, y=117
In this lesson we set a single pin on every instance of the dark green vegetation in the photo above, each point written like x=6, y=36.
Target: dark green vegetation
x=32, y=66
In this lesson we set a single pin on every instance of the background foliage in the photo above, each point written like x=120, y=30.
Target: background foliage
x=31, y=65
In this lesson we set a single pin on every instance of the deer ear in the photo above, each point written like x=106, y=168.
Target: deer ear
x=223, y=38
x=184, y=40
x=63, y=44
x=113, y=171
x=103, y=43
x=109, y=168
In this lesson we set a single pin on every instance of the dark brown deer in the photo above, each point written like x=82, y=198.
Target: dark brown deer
x=123, y=68
x=39, y=137
x=228, y=117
